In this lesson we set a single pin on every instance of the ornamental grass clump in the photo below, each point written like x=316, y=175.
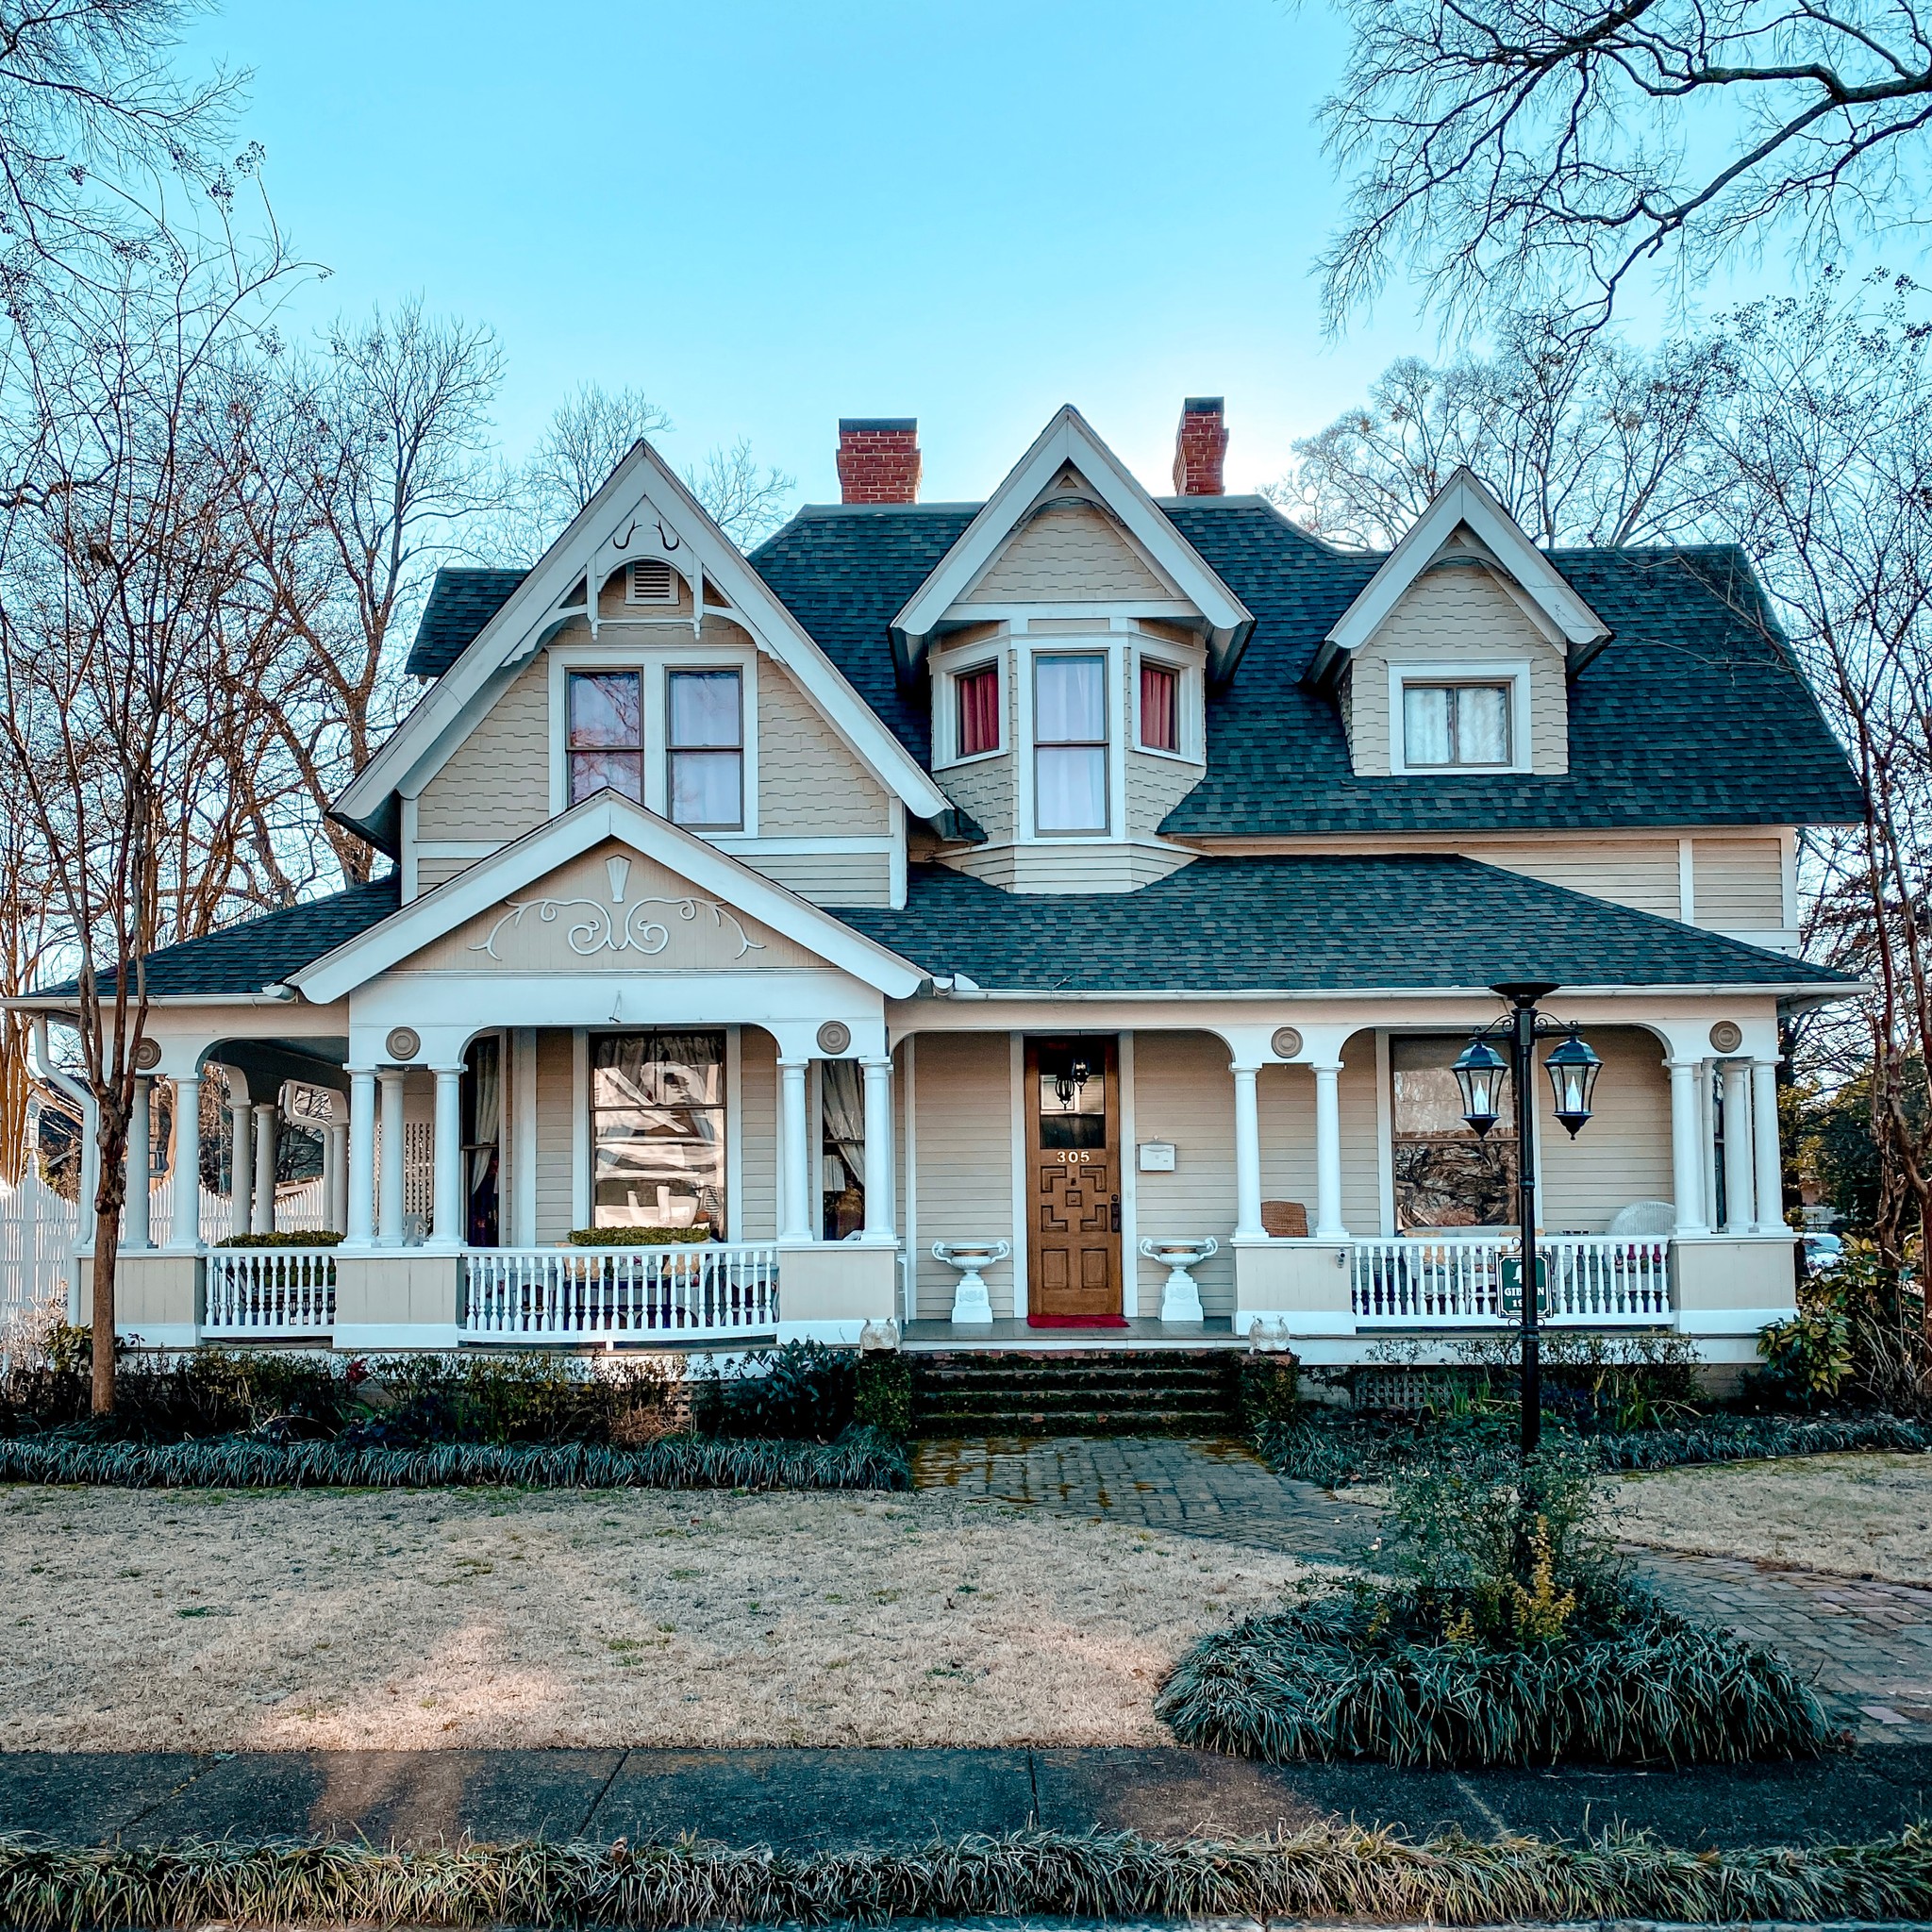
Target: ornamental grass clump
x=1502, y=1628
x=1329, y=1871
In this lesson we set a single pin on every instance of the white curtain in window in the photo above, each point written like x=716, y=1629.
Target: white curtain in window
x=1068, y=699
x=1482, y=725
x=487, y=1074
x=1425, y=725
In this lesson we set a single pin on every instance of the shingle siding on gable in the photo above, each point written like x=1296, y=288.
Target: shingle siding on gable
x=496, y=783
x=1154, y=787
x=1067, y=556
x=808, y=782
x=1448, y=618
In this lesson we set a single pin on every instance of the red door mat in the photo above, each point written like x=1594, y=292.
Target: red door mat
x=1076, y=1320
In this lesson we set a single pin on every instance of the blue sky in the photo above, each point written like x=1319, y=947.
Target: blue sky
x=769, y=215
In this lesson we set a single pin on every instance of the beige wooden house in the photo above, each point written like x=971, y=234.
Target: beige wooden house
x=1054, y=916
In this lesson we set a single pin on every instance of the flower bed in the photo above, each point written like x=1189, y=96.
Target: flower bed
x=1380, y=1677
x=1325, y=1871
x=861, y=1460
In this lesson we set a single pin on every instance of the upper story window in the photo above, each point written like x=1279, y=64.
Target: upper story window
x=976, y=720
x=1456, y=724
x=651, y=581
x=705, y=746
x=1069, y=743
x=606, y=744
x=1160, y=707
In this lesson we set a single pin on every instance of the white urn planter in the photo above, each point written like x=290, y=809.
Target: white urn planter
x=971, y=1306
x=1180, y=1299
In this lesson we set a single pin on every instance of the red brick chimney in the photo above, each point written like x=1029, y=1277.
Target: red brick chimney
x=878, y=458
x=1199, y=447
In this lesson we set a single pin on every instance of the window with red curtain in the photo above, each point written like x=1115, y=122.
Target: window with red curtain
x=1159, y=707
x=979, y=710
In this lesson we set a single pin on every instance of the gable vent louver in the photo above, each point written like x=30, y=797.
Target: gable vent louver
x=652, y=581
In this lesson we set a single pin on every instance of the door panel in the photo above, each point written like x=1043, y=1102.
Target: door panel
x=1074, y=1160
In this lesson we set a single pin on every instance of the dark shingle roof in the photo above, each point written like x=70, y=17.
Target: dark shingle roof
x=1322, y=924
x=1694, y=713
x=262, y=952
x=462, y=602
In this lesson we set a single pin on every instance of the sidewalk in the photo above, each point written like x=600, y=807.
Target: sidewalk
x=799, y=1800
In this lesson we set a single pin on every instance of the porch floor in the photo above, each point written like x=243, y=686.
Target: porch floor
x=1142, y=1331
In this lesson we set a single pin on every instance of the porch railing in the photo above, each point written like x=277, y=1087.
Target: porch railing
x=1593, y=1280
x=616, y=1294
x=261, y=1291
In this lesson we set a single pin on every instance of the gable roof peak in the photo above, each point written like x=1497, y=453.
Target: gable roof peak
x=1466, y=515
x=1069, y=442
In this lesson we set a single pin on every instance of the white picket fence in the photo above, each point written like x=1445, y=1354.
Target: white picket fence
x=37, y=1230
x=298, y=1207
x=1593, y=1280
x=614, y=1295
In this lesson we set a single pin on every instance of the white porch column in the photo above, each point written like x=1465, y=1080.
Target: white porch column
x=241, y=1158
x=357, y=1222
x=878, y=1150
x=1768, y=1161
x=263, y=1218
x=1247, y=1156
x=390, y=1222
x=1687, y=1151
x=1328, y=1223
x=90, y=1164
x=335, y=1143
x=447, y=1228
x=795, y=1221
x=184, y=1237
x=1741, y=1212
x=140, y=1167
x=328, y=1177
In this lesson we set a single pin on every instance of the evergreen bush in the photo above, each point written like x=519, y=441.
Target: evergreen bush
x=883, y=1400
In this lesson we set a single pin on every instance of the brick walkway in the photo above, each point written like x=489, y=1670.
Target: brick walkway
x=1867, y=1646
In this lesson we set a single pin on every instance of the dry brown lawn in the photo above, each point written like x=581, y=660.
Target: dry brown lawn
x=195, y=1620
x=1853, y=1514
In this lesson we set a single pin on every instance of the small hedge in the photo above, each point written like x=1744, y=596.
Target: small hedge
x=860, y=1461
x=696, y=1234
x=1368, y=1448
x=285, y=1237
x=1371, y=1676
x=1325, y=1872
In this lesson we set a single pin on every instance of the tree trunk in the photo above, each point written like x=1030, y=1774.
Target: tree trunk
x=110, y=1194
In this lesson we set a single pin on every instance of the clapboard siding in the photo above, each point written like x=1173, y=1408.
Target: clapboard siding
x=556, y=1133
x=1184, y=1092
x=756, y=1217
x=1738, y=884
x=964, y=1103
x=1639, y=873
x=1624, y=1155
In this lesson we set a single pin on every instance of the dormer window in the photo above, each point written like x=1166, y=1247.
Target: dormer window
x=651, y=581
x=1465, y=726
x=976, y=719
x=1160, y=707
x=1069, y=743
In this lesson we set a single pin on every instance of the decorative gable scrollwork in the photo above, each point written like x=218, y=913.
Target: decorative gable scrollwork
x=645, y=927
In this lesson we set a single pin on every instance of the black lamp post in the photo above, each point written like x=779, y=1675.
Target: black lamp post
x=1573, y=1069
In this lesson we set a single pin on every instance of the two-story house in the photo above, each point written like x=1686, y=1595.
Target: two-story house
x=947, y=903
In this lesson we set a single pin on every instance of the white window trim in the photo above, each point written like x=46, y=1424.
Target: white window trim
x=1110, y=647
x=748, y=823
x=1514, y=673
x=946, y=723
x=1189, y=702
x=653, y=667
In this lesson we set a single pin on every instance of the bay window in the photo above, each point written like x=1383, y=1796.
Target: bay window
x=705, y=746
x=977, y=718
x=1161, y=709
x=1069, y=743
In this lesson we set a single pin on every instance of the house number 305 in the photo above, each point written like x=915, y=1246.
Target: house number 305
x=1075, y=1159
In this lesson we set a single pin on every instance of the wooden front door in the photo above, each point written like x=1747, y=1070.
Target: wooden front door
x=1073, y=1159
